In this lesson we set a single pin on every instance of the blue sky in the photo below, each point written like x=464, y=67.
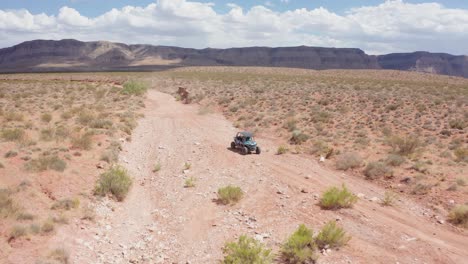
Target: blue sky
x=97, y=7
x=375, y=26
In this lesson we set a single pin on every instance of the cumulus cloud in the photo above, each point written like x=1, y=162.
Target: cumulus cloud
x=392, y=26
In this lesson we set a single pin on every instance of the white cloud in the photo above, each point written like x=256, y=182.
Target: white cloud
x=392, y=26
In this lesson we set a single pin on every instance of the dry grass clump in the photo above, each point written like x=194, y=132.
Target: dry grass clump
x=59, y=255
x=66, y=204
x=44, y=163
x=246, y=250
x=17, y=232
x=348, y=161
x=375, y=170
x=14, y=134
x=335, y=198
x=230, y=194
x=404, y=145
x=7, y=205
x=83, y=141
x=459, y=216
x=115, y=182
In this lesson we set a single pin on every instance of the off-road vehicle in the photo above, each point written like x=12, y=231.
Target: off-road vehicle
x=245, y=142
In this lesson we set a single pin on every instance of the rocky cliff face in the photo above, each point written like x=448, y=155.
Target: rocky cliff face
x=73, y=55
x=438, y=63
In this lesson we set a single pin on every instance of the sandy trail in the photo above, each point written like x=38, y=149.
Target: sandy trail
x=163, y=222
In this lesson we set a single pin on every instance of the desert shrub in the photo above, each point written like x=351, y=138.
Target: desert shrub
x=461, y=181
x=15, y=134
x=290, y=124
x=11, y=154
x=85, y=117
x=83, y=141
x=331, y=236
x=134, y=88
x=101, y=124
x=246, y=250
x=459, y=216
x=300, y=247
x=404, y=145
x=348, y=161
x=320, y=147
x=17, y=232
x=230, y=194
x=421, y=189
x=461, y=154
x=13, y=116
x=66, y=204
x=115, y=181
x=157, y=167
x=47, y=134
x=395, y=160
x=281, y=150
x=46, y=117
x=60, y=255
x=187, y=165
x=44, y=163
x=61, y=133
x=388, y=199
x=334, y=198
x=7, y=205
x=190, y=182
x=298, y=137
x=457, y=124
x=25, y=216
x=376, y=170
x=111, y=154
x=48, y=226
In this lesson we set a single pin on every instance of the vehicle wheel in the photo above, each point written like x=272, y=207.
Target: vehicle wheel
x=233, y=145
x=258, y=150
x=245, y=150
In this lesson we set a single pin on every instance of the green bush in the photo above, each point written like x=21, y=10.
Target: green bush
x=134, y=88
x=101, y=124
x=459, y=216
x=246, y=251
x=15, y=134
x=230, y=194
x=300, y=247
x=44, y=163
x=389, y=198
x=115, y=181
x=157, y=167
x=334, y=198
x=376, y=170
x=348, y=161
x=331, y=236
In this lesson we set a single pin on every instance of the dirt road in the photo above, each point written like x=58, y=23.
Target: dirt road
x=163, y=222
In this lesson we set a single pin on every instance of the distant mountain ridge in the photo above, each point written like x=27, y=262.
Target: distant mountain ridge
x=74, y=55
